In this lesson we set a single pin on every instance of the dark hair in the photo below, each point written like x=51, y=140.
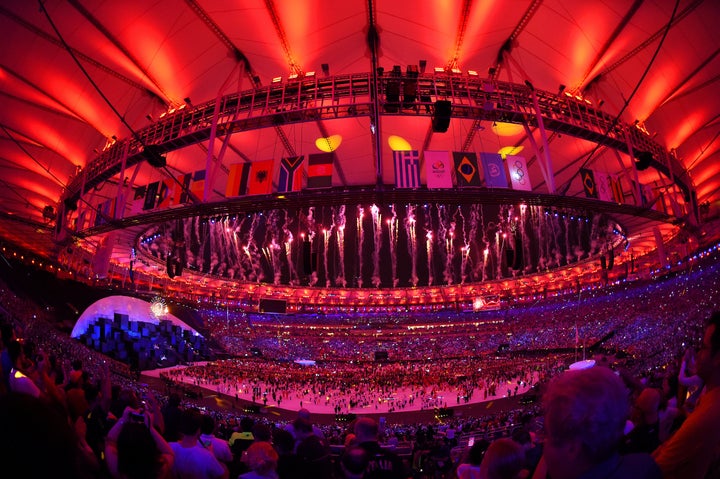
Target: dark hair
x=14, y=349
x=477, y=451
x=190, y=420
x=315, y=459
x=302, y=426
x=247, y=423
x=207, y=424
x=138, y=456
x=30, y=425
x=521, y=436
x=6, y=332
x=262, y=432
x=283, y=441
x=715, y=338
x=355, y=460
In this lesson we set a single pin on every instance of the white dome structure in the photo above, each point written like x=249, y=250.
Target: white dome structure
x=134, y=308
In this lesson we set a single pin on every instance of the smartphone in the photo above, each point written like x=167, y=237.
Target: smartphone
x=137, y=417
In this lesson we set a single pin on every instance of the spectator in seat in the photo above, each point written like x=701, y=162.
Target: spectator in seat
x=470, y=467
x=218, y=446
x=585, y=415
x=504, y=459
x=134, y=449
x=191, y=458
x=692, y=451
x=645, y=435
x=382, y=463
x=262, y=459
x=353, y=462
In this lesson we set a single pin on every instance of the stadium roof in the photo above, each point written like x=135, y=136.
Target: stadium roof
x=95, y=94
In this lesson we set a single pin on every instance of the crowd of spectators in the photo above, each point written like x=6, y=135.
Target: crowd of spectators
x=349, y=387
x=68, y=411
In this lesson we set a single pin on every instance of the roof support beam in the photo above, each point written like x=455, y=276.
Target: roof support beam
x=106, y=33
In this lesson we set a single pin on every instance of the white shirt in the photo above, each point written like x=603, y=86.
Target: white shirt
x=220, y=447
x=195, y=462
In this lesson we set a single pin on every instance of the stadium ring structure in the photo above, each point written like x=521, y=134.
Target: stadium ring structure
x=470, y=245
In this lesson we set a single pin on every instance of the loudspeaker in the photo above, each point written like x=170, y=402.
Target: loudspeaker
x=513, y=257
x=170, y=264
x=441, y=116
x=307, y=258
x=643, y=160
x=611, y=259
x=409, y=92
x=392, y=96
x=153, y=156
x=180, y=263
x=71, y=203
x=603, y=263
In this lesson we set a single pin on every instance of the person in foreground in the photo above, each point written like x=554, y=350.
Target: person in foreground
x=585, y=415
x=693, y=450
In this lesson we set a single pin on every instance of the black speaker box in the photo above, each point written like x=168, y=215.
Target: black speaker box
x=441, y=116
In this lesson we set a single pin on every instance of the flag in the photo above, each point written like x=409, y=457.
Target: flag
x=182, y=184
x=320, y=168
x=494, y=170
x=260, y=179
x=197, y=185
x=602, y=182
x=407, y=169
x=588, y=181
x=649, y=196
x=616, y=188
x=291, y=174
x=85, y=218
x=466, y=170
x=519, y=175
x=138, y=200
x=237, y=179
x=105, y=212
x=151, y=195
x=438, y=170
x=60, y=232
x=165, y=193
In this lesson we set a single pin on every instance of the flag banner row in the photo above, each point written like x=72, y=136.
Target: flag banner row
x=443, y=169
x=461, y=169
x=602, y=186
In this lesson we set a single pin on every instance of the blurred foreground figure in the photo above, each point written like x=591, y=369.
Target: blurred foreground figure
x=585, y=415
x=692, y=451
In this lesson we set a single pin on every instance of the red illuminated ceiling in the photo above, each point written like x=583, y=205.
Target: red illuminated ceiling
x=79, y=73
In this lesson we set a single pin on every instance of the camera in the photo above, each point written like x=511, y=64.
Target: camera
x=137, y=417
